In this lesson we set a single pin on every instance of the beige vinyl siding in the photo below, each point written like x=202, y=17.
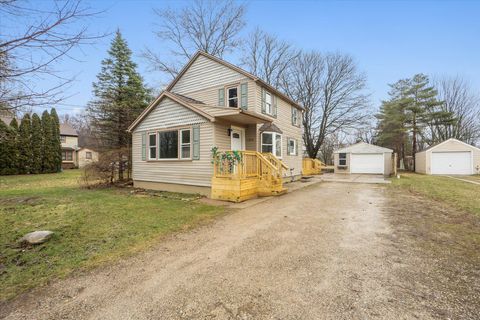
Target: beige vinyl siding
x=251, y=137
x=169, y=114
x=82, y=157
x=336, y=162
x=70, y=142
x=222, y=140
x=446, y=147
x=387, y=156
x=421, y=162
x=202, y=80
x=284, y=122
x=190, y=172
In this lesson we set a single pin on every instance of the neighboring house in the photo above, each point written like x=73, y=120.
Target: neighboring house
x=364, y=158
x=86, y=156
x=212, y=103
x=449, y=157
x=69, y=140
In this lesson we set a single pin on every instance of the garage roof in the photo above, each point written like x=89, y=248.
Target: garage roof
x=362, y=147
x=451, y=139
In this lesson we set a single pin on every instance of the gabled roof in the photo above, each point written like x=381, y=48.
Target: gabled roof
x=362, y=147
x=182, y=100
x=211, y=113
x=270, y=127
x=235, y=68
x=67, y=130
x=448, y=140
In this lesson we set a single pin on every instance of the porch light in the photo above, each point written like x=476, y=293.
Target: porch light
x=229, y=132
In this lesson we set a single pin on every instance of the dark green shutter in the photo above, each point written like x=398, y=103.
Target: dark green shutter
x=221, y=97
x=263, y=100
x=244, y=96
x=274, y=106
x=296, y=147
x=196, y=142
x=293, y=115
x=144, y=146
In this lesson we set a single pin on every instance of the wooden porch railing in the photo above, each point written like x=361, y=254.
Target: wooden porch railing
x=311, y=166
x=252, y=164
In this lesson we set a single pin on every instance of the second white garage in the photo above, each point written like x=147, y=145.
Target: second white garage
x=451, y=157
x=363, y=158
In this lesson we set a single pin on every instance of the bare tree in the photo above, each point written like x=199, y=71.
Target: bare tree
x=33, y=40
x=331, y=89
x=460, y=100
x=207, y=25
x=267, y=57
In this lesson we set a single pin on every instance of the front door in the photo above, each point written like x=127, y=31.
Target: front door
x=237, y=136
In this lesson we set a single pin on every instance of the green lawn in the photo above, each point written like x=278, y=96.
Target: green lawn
x=91, y=226
x=460, y=194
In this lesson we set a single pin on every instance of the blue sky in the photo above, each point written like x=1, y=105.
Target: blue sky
x=389, y=39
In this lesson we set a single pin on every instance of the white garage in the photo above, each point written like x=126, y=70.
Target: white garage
x=451, y=157
x=363, y=158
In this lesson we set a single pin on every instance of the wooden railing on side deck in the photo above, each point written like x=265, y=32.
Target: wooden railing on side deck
x=311, y=166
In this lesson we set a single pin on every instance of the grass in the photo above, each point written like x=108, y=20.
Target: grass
x=91, y=226
x=460, y=194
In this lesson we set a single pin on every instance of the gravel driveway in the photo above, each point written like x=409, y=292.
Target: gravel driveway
x=325, y=252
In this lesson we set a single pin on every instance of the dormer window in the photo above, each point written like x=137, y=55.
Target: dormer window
x=232, y=95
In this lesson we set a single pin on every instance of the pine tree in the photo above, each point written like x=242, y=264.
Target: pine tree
x=25, y=145
x=56, y=143
x=37, y=144
x=14, y=154
x=422, y=108
x=120, y=96
x=48, y=159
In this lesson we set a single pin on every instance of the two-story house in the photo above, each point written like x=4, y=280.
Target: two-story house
x=212, y=103
x=69, y=140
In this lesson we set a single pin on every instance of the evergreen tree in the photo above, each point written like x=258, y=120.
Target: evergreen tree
x=14, y=154
x=37, y=144
x=120, y=96
x=7, y=147
x=56, y=143
x=48, y=159
x=25, y=145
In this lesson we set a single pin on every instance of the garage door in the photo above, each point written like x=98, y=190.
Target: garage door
x=366, y=163
x=451, y=163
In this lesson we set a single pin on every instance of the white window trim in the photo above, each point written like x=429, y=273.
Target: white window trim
x=296, y=121
x=294, y=147
x=236, y=98
x=268, y=106
x=274, y=144
x=150, y=147
x=181, y=144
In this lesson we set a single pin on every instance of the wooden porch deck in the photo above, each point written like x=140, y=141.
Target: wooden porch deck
x=243, y=175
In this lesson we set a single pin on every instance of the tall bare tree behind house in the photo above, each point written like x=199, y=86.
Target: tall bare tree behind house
x=207, y=25
x=332, y=90
x=43, y=36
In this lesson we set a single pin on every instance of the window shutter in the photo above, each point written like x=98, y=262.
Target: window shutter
x=244, y=96
x=296, y=147
x=274, y=105
x=293, y=116
x=196, y=143
x=144, y=146
x=263, y=101
x=221, y=97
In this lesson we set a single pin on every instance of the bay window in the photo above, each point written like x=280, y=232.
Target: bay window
x=272, y=142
